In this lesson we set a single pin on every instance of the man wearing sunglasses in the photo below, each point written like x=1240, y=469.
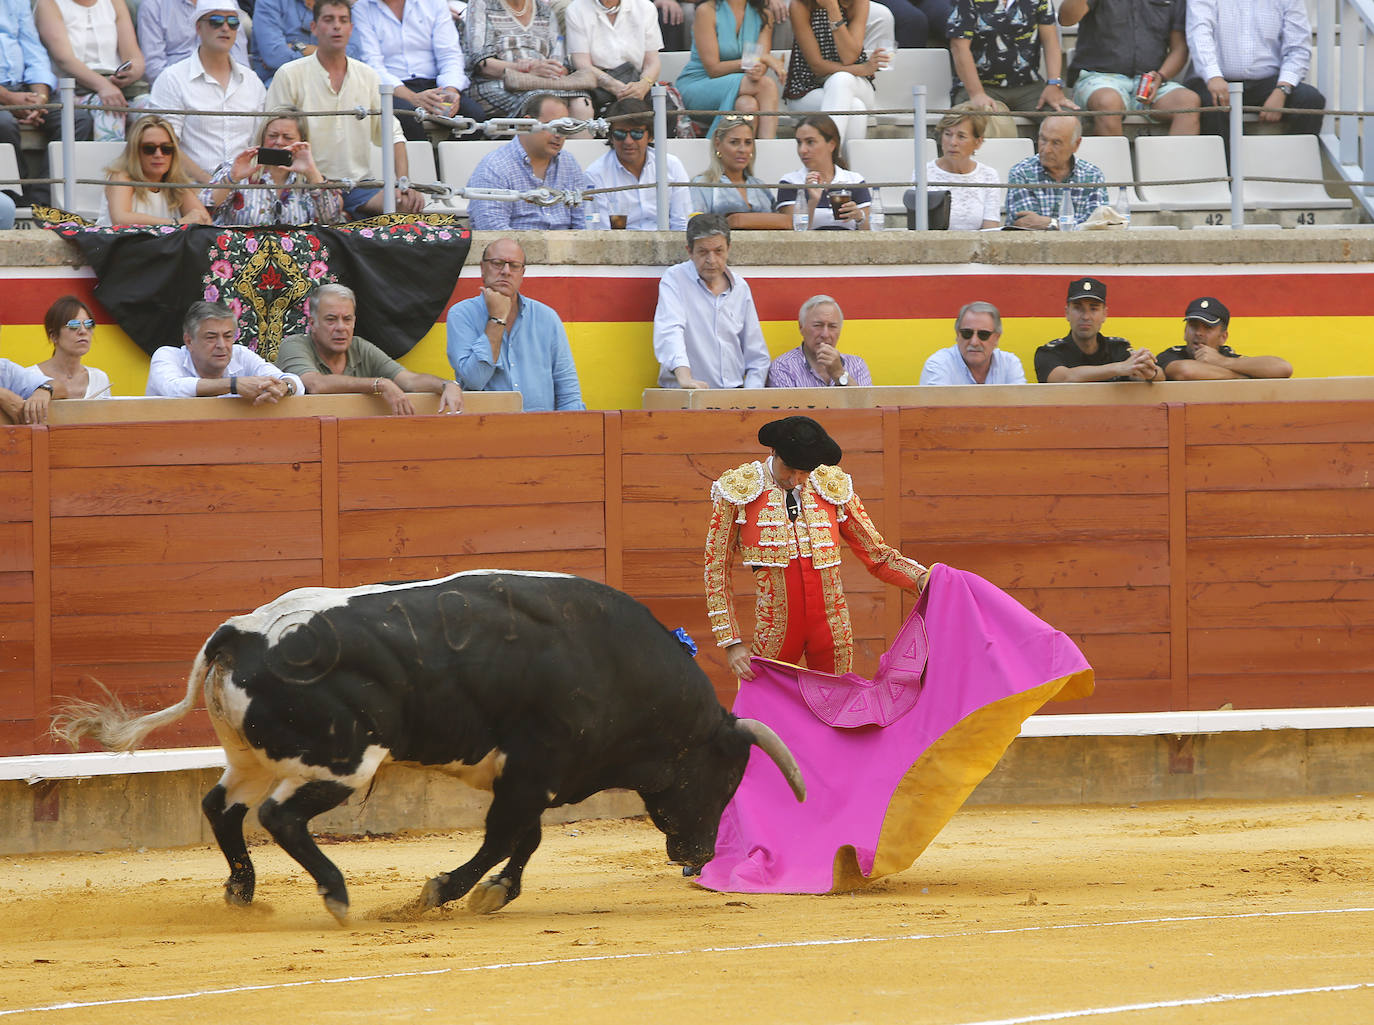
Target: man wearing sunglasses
x=211, y=79
x=1085, y=354
x=632, y=162
x=974, y=358
x=167, y=34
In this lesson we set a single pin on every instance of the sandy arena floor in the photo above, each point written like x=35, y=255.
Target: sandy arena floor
x=1179, y=913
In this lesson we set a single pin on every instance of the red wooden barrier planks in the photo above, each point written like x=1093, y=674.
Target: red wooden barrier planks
x=184, y=537
x=458, y=530
x=484, y=480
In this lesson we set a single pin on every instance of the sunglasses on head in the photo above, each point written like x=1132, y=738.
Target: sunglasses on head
x=149, y=148
x=621, y=134
x=967, y=332
x=220, y=20
x=76, y=324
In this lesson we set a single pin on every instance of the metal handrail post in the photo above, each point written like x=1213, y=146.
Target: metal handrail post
x=67, y=87
x=659, y=93
x=1236, y=89
x=918, y=113
x=1353, y=34
x=388, y=151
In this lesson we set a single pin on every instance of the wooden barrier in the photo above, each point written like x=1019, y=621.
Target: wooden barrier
x=1201, y=554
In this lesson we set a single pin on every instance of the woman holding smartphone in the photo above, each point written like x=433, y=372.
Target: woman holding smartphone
x=833, y=197
x=93, y=41
x=281, y=158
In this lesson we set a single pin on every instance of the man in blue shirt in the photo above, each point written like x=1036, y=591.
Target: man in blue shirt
x=501, y=341
x=974, y=358
x=25, y=77
x=533, y=160
x=25, y=393
x=1038, y=209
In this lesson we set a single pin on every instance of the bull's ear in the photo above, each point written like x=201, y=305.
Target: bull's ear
x=772, y=745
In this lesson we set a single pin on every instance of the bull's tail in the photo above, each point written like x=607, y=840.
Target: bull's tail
x=115, y=727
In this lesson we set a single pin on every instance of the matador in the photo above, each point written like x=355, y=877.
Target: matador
x=783, y=516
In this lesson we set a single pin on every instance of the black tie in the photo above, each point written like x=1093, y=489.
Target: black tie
x=793, y=506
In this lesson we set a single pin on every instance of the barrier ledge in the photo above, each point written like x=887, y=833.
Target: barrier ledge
x=87, y=764
x=136, y=410
x=1139, y=246
x=1127, y=393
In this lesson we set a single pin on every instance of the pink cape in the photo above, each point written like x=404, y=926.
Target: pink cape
x=877, y=794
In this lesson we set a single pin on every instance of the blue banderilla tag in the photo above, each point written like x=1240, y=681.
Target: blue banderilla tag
x=685, y=639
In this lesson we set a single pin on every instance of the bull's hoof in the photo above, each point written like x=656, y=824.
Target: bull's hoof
x=432, y=896
x=238, y=893
x=336, y=904
x=490, y=895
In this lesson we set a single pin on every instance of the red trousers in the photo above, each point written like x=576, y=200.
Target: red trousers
x=807, y=631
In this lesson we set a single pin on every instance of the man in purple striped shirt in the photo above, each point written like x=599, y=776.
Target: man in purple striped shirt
x=817, y=362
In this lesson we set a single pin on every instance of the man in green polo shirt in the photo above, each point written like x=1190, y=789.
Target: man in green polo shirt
x=332, y=360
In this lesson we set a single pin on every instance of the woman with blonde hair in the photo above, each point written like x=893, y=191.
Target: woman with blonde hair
x=748, y=204
x=284, y=130
x=69, y=324
x=961, y=134
x=151, y=155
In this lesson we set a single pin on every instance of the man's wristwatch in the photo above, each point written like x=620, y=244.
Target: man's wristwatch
x=46, y=386
x=498, y=320
x=1285, y=88
x=843, y=380
x=1054, y=81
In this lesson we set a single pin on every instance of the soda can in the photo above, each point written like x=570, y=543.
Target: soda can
x=1146, y=86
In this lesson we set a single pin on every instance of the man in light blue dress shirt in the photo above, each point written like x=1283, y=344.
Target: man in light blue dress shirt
x=974, y=358
x=706, y=329
x=25, y=77
x=532, y=160
x=501, y=341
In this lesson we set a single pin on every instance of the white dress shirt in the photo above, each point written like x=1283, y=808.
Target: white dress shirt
x=717, y=336
x=206, y=139
x=173, y=375
x=947, y=366
x=1244, y=40
x=422, y=43
x=633, y=34
x=641, y=205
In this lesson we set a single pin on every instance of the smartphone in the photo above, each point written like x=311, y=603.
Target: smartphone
x=276, y=157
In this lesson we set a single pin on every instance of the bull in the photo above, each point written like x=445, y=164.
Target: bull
x=540, y=687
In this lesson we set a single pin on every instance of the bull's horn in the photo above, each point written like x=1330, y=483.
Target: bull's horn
x=773, y=746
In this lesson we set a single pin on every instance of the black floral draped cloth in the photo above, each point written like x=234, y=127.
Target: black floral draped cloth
x=402, y=268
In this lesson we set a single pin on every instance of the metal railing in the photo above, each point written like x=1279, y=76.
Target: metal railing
x=1349, y=143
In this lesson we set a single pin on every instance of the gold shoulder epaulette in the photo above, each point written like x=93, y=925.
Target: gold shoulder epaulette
x=833, y=484
x=741, y=485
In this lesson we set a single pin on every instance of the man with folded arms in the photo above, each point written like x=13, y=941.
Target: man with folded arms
x=209, y=363
x=1204, y=354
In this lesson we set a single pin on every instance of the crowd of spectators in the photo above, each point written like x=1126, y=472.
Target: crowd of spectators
x=600, y=57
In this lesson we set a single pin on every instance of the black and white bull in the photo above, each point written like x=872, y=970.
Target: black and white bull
x=540, y=687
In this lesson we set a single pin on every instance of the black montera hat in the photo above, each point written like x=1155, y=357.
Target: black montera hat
x=800, y=442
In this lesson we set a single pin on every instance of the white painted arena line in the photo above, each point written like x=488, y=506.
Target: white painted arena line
x=785, y=945
x=1155, y=1005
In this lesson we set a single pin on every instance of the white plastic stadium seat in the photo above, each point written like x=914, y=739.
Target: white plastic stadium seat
x=420, y=158
x=1002, y=154
x=9, y=170
x=671, y=63
x=892, y=89
x=773, y=158
x=888, y=160
x=1285, y=156
x=91, y=160
x=1112, y=153
x=456, y=163
x=695, y=154
x=1162, y=157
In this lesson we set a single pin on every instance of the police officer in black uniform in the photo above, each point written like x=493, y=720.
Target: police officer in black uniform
x=1085, y=353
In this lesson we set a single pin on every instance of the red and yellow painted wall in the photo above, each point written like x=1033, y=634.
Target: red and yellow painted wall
x=1318, y=316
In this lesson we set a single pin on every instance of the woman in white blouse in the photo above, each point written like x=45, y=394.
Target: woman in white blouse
x=618, y=40
x=69, y=325
x=92, y=41
x=961, y=134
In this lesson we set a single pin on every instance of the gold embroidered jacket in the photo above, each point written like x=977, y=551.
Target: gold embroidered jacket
x=750, y=517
